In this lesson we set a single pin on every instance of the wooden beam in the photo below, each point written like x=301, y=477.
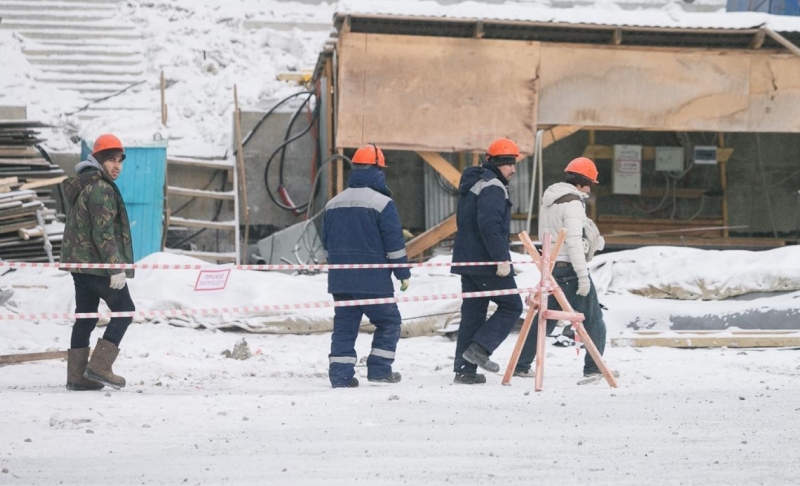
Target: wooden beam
x=25, y=357
x=554, y=134
x=479, y=30
x=710, y=339
x=433, y=236
x=758, y=39
x=606, y=152
x=442, y=166
x=616, y=37
x=782, y=40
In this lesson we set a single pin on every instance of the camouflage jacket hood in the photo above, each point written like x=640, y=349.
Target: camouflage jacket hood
x=97, y=229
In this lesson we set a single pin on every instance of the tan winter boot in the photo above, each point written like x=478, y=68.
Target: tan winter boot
x=99, y=368
x=76, y=365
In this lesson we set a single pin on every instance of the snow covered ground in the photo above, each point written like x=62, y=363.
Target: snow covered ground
x=192, y=416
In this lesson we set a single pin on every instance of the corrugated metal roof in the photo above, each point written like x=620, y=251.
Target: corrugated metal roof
x=611, y=16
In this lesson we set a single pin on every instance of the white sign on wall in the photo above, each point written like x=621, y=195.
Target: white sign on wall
x=627, y=172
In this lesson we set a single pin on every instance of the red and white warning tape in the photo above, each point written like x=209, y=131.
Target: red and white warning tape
x=257, y=308
x=171, y=266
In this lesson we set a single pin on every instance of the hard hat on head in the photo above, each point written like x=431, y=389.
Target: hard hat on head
x=584, y=167
x=107, y=142
x=369, y=155
x=501, y=147
x=502, y=152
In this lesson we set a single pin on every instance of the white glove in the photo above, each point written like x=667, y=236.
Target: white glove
x=584, y=284
x=118, y=281
x=503, y=269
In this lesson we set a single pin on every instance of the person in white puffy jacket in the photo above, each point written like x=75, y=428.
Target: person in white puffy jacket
x=564, y=206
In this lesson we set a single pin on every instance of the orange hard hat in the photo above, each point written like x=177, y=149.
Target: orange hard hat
x=107, y=142
x=369, y=155
x=583, y=166
x=503, y=147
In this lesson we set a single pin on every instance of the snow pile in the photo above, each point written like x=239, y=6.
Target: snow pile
x=693, y=274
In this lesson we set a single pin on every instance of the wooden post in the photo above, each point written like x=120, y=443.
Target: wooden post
x=723, y=184
x=532, y=309
x=329, y=117
x=340, y=173
x=565, y=306
x=163, y=100
x=240, y=162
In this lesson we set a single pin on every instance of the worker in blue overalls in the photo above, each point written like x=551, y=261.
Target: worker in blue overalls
x=362, y=225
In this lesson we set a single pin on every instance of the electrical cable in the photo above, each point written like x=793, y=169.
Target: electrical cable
x=282, y=147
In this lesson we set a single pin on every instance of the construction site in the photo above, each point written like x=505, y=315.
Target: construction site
x=240, y=121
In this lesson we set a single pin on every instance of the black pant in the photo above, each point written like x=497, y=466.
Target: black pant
x=475, y=327
x=588, y=305
x=89, y=289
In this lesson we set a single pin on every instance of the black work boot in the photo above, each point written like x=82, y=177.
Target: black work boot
x=393, y=377
x=353, y=384
x=476, y=355
x=99, y=367
x=469, y=379
x=76, y=365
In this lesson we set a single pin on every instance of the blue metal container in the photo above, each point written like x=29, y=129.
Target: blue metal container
x=142, y=186
x=776, y=7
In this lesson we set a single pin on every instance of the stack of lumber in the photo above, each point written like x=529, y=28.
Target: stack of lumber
x=29, y=195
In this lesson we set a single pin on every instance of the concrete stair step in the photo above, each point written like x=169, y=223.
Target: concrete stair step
x=98, y=29
x=82, y=60
x=77, y=80
x=16, y=15
x=99, y=36
x=64, y=6
x=78, y=51
x=105, y=71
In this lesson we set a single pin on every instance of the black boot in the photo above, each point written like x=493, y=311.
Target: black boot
x=76, y=365
x=469, y=379
x=393, y=377
x=353, y=384
x=476, y=355
x=99, y=368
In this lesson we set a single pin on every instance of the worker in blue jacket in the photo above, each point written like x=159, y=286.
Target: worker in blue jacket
x=483, y=217
x=362, y=225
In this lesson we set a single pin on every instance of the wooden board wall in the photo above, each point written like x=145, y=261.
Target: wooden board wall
x=669, y=89
x=448, y=94
x=435, y=94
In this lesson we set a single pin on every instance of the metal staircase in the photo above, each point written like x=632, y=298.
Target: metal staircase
x=175, y=222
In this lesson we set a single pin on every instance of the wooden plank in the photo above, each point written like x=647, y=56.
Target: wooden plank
x=693, y=241
x=43, y=182
x=25, y=152
x=695, y=339
x=775, y=94
x=681, y=192
x=26, y=357
x=442, y=166
x=433, y=236
x=29, y=162
x=669, y=88
x=183, y=191
x=554, y=134
x=198, y=223
x=435, y=94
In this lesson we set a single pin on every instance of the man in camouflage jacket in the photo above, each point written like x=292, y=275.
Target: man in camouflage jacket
x=97, y=231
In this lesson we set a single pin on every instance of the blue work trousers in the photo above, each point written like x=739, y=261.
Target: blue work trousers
x=346, y=324
x=475, y=327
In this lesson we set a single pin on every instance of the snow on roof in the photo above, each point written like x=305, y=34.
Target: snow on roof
x=603, y=12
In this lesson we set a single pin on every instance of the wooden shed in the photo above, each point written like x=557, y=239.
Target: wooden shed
x=452, y=82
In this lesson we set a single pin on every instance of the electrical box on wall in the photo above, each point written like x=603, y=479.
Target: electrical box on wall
x=627, y=172
x=705, y=155
x=669, y=159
